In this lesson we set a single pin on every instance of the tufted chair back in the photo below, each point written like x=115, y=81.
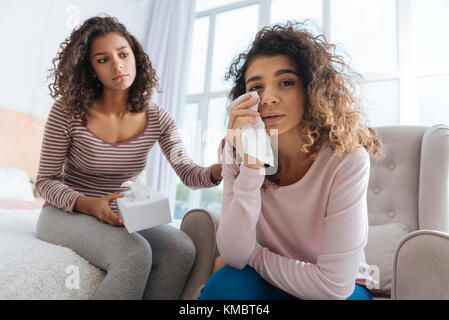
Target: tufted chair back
x=408, y=190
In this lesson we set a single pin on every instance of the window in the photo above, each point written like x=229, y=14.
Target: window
x=397, y=46
x=222, y=29
x=431, y=28
x=433, y=100
x=233, y=32
x=299, y=10
x=366, y=32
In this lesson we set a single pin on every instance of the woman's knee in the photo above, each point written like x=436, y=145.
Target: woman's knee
x=185, y=249
x=134, y=250
x=174, y=245
x=360, y=293
x=232, y=284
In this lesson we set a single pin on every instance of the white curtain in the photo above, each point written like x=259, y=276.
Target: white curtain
x=170, y=27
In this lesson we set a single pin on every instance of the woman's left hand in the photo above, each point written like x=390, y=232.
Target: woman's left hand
x=219, y=263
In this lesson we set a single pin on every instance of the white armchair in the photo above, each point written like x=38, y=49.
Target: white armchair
x=408, y=211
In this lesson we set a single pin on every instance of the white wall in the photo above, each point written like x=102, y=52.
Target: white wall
x=30, y=34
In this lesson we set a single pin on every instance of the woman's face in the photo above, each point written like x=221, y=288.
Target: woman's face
x=113, y=61
x=281, y=91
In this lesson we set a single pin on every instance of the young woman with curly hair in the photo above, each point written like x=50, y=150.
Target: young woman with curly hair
x=97, y=136
x=301, y=232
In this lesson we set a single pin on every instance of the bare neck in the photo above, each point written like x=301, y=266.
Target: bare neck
x=113, y=103
x=289, y=149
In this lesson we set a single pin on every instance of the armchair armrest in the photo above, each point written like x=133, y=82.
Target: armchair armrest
x=201, y=226
x=420, y=266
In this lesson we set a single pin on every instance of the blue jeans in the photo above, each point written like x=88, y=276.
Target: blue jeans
x=246, y=284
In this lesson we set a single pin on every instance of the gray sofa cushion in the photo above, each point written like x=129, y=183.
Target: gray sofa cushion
x=382, y=240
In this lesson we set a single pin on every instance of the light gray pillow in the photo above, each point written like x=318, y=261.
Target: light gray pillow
x=382, y=240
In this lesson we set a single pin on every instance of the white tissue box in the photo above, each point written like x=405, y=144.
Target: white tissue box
x=140, y=215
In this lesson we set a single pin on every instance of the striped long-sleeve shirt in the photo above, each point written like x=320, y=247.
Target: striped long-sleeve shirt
x=74, y=161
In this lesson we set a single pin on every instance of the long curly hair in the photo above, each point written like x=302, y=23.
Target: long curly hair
x=75, y=87
x=332, y=112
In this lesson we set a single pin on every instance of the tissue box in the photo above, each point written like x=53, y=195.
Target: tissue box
x=141, y=215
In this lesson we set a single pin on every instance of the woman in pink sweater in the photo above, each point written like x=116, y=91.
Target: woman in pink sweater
x=301, y=232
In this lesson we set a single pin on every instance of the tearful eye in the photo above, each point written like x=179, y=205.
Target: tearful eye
x=255, y=88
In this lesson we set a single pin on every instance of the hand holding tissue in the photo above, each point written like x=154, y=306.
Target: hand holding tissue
x=255, y=140
x=142, y=207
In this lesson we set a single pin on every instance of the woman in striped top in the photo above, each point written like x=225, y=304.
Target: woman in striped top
x=98, y=135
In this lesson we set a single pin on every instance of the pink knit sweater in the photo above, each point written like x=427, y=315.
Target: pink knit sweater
x=306, y=238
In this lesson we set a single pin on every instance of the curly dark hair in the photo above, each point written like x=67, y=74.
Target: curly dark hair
x=75, y=88
x=332, y=110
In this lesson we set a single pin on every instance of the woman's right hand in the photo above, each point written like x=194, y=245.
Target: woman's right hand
x=238, y=116
x=100, y=208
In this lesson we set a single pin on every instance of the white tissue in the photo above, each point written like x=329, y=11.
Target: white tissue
x=255, y=139
x=139, y=189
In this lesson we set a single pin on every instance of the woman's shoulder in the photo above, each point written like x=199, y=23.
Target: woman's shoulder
x=160, y=117
x=155, y=111
x=155, y=108
x=59, y=108
x=352, y=161
x=355, y=155
x=60, y=113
